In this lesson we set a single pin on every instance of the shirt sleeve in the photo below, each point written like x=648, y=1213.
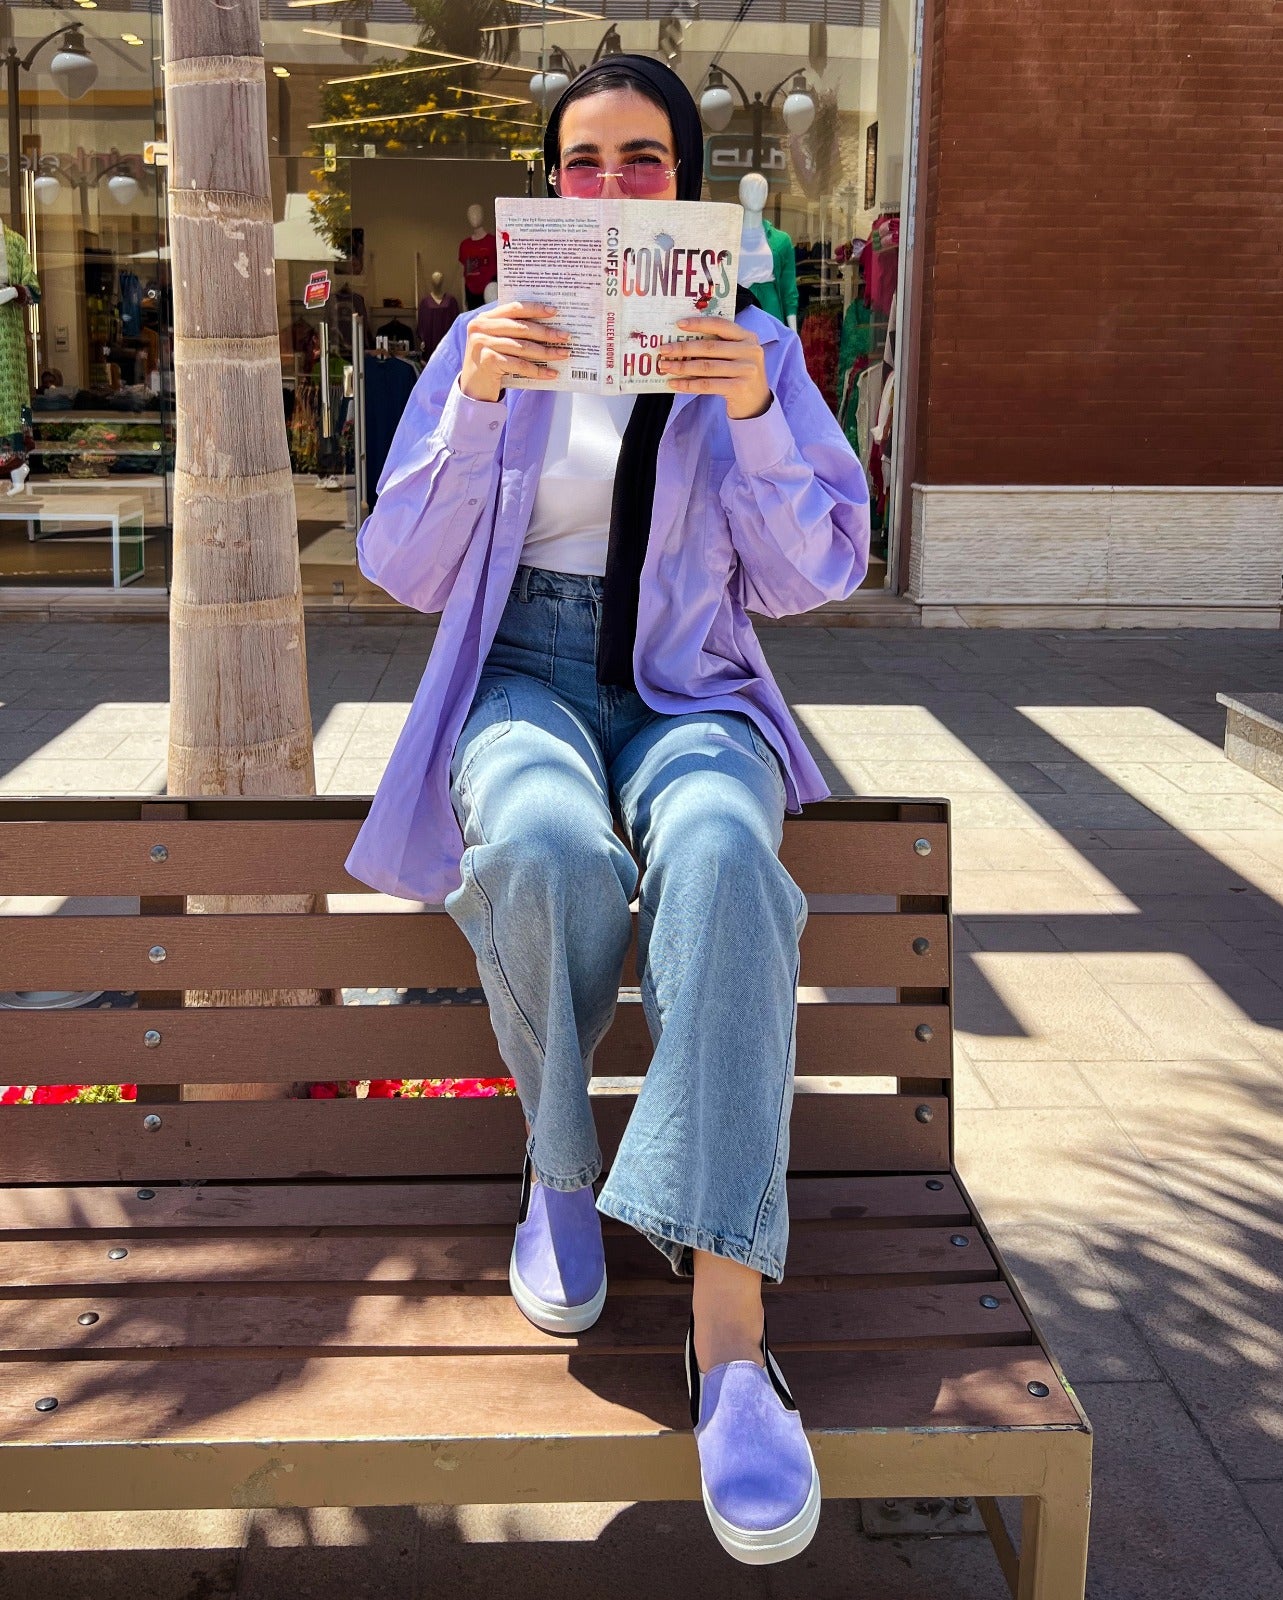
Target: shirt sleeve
x=796, y=499
x=439, y=484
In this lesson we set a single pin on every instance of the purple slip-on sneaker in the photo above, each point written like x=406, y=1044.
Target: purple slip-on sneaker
x=761, y=1488
x=558, y=1269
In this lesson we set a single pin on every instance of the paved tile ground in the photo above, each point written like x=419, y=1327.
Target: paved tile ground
x=1119, y=889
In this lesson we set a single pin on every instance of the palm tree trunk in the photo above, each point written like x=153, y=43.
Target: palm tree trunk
x=240, y=723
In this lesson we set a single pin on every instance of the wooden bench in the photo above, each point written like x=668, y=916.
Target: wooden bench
x=301, y=1303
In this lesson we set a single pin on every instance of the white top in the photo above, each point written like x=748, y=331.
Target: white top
x=570, y=524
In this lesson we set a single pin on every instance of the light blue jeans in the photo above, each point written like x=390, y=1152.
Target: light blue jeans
x=546, y=762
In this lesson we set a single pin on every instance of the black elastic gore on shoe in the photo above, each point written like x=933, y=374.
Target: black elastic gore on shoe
x=524, y=1207
x=775, y=1375
x=692, y=1373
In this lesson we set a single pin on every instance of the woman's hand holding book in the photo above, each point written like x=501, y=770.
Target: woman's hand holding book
x=509, y=341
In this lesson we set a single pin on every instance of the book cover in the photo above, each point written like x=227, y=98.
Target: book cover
x=622, y=274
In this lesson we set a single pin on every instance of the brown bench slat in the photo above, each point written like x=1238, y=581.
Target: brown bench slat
x=360, y=949
x=262, y=857
x=222, y=1044
x=407, y=1138
x=925, y=1316
x=424, y=1398
x=385, y=1207
x=445, y=1256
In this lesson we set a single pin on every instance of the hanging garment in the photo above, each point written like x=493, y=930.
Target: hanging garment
x=868, y=392
x=480, y=261
x=819, y=335
x=15, y=373
x=131, y=305
x=435, y=317
x=396, y=330
x=388, y=385
x=882, y=263
x=778, y=294
x=339, y=316
x=855, y=351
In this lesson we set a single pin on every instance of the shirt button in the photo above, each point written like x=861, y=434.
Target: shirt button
x=493, y=426
x=472, y=502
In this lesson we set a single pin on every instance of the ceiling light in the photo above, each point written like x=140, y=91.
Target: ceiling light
x=131, y=38
x=546, y=5
x=404, y=116
x=281, y=72
x=393, y=72
x=417, y=50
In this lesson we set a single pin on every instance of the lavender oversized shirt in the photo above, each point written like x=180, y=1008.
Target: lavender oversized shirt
x=769, y=514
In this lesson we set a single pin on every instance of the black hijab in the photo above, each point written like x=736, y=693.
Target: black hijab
x=634, y=492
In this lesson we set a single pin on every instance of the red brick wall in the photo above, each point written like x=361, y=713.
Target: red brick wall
x=1103, y=279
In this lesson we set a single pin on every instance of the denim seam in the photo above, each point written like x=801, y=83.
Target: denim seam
x=492, y=950
x=692, y=1238
x=580, y=1180
x=767, y=757
x=496, y=732
x=766, y=1206
x=552, y=643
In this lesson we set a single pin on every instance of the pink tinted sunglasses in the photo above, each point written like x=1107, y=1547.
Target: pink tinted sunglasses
x=635, y=178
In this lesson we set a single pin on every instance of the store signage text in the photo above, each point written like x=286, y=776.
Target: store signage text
x=316, y=291
x=729, y=156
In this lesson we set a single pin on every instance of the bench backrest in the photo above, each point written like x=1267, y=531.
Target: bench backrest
x=874, y=1036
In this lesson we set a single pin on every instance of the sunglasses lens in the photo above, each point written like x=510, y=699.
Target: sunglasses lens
x=636, y=177
x=645, y=177
x=581, y=183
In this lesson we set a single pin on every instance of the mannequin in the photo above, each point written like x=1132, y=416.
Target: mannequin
x=767, y=265
x=479, y=259
x=437, y=310
x=18, y=289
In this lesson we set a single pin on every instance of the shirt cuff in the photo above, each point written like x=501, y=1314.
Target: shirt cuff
x=471, y=427
x=762, y=441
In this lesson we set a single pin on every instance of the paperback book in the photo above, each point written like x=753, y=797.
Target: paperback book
x=622, y=274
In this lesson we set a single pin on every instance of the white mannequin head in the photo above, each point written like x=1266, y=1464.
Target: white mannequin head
x=474, y=217
x=753, y=191
x=437, y=281
x=491, y=293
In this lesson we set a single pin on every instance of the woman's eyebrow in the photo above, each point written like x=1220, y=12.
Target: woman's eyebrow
x=629, y=147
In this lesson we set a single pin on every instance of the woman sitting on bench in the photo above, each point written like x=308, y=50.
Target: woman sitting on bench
x=593, y=559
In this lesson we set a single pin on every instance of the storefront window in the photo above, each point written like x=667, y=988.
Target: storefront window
x=86, y=368
x=397, y=126
x=394, y=127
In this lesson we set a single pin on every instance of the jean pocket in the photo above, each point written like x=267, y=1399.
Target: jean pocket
x=488, y=720
x=767, y=756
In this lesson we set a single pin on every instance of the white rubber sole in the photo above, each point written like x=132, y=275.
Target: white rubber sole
x=551, y=1318
x=760, y=1549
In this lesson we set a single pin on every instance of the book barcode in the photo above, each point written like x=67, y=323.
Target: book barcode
x=584, y=373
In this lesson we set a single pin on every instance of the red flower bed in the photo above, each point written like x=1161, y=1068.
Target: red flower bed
x=59, y=1094
x=415, y=1089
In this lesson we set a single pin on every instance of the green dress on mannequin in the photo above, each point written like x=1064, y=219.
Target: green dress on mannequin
x=16, y=272
x=778, y=294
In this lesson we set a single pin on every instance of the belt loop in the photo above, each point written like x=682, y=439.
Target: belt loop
x=524, y=591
